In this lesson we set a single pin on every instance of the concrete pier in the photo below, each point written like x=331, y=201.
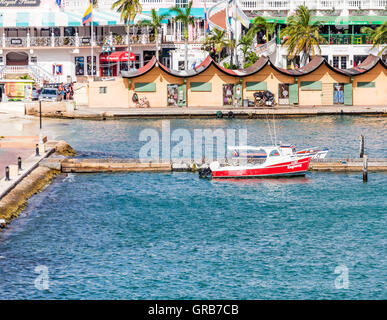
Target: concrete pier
x=348, y=165
x=107, y=113
x=131, y=165
x=112, y=165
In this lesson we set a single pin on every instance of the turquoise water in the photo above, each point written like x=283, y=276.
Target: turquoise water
x=175, y=236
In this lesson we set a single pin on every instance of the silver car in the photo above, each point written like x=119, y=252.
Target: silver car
x=48, y=94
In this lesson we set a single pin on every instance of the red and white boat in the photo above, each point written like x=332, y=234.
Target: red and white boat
x=254, y=162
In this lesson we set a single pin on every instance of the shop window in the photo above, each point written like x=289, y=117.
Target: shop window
x=358, y=59
x=69, y=31
x=228, y=94
x=102, y=90
x=89, y=65
x=79, y=66
x=335, y=62
x=172, y=95
x=283, y=93
x=366, y=84
x=343, y=62
x=293, y=63
x=57, y=69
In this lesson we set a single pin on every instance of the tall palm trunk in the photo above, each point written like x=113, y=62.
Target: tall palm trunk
x=128, y=32
x=186, y=47
x=157, y=44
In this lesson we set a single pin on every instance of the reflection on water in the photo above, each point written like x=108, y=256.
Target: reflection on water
x=268, y=181
x=175, y=236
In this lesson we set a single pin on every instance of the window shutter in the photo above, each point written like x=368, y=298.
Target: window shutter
x=256, y=86
x=311, y=85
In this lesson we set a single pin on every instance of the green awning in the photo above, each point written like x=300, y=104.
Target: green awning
x=331, y=20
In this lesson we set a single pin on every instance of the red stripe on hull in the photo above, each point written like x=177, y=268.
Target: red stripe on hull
x=282, y=169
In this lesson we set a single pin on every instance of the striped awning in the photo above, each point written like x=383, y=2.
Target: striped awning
x=35, y=18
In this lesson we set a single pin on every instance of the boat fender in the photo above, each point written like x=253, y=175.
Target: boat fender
x=219, y=114
x=230, y=115
x=214, y=165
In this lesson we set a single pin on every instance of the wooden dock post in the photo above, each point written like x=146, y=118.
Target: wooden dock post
x=361, y=146
x=365, y=168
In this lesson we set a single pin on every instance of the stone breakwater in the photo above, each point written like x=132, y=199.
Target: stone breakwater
x=15, y=201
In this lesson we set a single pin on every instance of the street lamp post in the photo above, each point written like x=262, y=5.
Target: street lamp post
x=108, y=48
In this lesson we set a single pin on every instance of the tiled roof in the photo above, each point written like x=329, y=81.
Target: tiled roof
x=313, y=65
x=368, y=64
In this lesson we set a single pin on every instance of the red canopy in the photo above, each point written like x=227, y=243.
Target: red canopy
x=118, y=56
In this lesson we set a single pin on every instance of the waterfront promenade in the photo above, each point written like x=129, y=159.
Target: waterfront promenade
x=213, y=112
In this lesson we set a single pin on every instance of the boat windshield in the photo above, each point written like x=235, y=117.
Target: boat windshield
x=249, y=155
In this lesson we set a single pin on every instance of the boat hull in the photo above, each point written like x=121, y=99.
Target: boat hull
x=286, y=169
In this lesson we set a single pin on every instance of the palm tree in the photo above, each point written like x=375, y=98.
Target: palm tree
x=128, y=9
x=155, y=24
x=245, y=44
x=216, y=40
x=260, y=24
x=302, y=35
x=184, y=16
x=231, y=45
x=378, y=36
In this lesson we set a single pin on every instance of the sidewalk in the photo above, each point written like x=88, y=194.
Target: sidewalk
x=28, y=164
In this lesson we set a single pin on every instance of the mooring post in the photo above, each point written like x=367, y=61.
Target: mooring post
x=19, y=163
x=37, y=150
x=365, y=168
x=40, y=115
x=361, y=146
x=7, y=173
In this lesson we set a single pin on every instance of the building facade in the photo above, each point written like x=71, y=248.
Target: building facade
x=49, y=43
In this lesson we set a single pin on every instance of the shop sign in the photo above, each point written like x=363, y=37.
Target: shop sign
x=19, y=3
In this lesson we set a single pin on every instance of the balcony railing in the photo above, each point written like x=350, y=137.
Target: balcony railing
x=313, y=4
x=343, y=39
x=337, y=39
x=75, y=41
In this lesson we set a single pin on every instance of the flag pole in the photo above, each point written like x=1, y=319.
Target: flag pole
x=92, y=41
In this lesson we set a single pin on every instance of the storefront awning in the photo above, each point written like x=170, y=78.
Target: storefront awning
x=37, y=18
x=118, y=56
x=197, y=13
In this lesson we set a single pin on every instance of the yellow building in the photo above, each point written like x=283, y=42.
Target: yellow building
x=211, y=85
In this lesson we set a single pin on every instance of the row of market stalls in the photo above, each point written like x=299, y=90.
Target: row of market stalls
x=211, y=85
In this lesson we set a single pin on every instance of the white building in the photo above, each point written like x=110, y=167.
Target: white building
x=50, y=44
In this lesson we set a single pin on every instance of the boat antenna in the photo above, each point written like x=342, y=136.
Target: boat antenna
x=268, y=124
x=275, y=132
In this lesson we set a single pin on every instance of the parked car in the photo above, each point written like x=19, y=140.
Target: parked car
x=48, y=94
x=35, y=94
